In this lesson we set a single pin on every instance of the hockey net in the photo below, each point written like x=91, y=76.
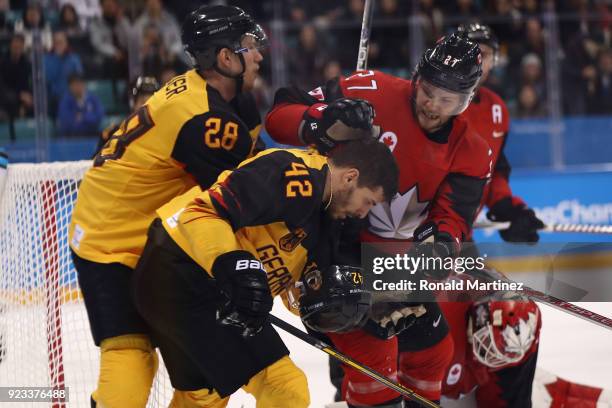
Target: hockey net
x=45, y=339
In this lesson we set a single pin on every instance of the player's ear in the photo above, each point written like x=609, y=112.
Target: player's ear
x=224, y=57
x=351, y=175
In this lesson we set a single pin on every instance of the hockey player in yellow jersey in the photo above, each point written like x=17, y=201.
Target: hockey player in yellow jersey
x=215, y=258
x=196, y=126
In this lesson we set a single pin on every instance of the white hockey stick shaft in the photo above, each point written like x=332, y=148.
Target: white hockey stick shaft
x=580, y=228
x=364, y=41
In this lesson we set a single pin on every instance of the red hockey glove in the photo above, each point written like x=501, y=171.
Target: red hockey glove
x=343, y=120
x=524, y=224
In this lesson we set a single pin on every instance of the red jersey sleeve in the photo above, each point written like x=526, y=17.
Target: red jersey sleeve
x=290, y=103
x=499, y=117
x=458, y=198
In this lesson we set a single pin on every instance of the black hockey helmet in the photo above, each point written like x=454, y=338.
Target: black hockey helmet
x=209, y=29
x=454, y=64
x=144, y=85
x=479, y=33
x=334, y=301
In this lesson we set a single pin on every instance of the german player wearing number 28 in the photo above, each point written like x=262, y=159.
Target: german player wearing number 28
x=196, y=126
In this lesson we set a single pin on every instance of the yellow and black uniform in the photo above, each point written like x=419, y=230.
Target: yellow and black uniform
x=271, y=207
x=185, y=135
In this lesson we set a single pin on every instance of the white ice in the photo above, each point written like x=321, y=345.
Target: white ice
x=571, y=348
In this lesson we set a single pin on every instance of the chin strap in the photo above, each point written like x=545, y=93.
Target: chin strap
x=239, y=78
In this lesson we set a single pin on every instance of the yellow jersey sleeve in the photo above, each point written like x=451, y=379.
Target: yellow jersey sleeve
x=277, y=186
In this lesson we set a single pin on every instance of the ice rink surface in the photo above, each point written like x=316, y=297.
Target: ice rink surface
x=570, y=348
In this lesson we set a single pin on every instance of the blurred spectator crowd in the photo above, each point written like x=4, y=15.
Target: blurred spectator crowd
x=94, y=50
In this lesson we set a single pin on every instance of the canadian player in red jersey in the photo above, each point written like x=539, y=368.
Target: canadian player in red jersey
x=489, y=116
x=496, y=342
x=444, y=166
x=501, y=381
x=496, y=346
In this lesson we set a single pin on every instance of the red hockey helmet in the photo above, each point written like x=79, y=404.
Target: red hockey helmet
x=503, y=328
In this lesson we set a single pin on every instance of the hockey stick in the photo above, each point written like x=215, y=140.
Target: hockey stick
x=581, y=228
x=535, y=295
x=556, y=303
x=364, y=41
x=567, y=307
x=406, y=392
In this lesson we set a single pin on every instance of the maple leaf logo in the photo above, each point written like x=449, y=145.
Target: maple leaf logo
x=389, y=139
x=399, y=219
x=454, y=374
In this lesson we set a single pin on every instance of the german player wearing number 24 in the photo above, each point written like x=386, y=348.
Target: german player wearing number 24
x=215, y=258
x=196, y=126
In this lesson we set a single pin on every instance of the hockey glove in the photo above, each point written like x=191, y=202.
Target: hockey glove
x=244, y=283
x=434, y=247
x=343, y=120
x=390, y=319
x=524, y=224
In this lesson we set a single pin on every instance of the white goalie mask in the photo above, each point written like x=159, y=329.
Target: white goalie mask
x=503, y=331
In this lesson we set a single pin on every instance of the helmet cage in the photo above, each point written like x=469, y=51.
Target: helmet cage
x=487, y=352
x=495, y=342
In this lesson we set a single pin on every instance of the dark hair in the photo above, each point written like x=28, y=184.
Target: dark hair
x=375, y=162
x=62, y=16
x=34, y=5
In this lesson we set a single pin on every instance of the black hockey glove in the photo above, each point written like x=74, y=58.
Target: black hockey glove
x=434, y=248
x=243, y=281
x=390, y=319
x=524, y=224
x=343, y=120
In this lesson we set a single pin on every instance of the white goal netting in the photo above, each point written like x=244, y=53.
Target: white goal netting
x=45, y=339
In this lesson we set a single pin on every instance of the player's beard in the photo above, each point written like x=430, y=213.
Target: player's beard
x=338, y=208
